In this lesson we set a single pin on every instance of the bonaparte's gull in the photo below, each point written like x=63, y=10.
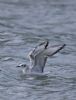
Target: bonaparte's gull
x=38, y=57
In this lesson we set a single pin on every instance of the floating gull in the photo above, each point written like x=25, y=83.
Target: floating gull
x=38, y=57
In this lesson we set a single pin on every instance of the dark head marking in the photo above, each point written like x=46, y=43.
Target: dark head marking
x=23, y=65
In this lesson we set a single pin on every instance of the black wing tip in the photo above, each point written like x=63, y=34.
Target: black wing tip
x=59, y=49
x=63, y=45
x=47, y=43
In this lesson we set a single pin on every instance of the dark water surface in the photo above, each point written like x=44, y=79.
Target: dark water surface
x=23, y=24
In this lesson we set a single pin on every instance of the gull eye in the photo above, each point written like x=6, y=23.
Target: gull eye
x=23, y=65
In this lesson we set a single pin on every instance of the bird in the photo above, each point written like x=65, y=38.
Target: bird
x=38, y=57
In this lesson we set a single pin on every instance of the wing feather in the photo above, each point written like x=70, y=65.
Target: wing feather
x=50, y=51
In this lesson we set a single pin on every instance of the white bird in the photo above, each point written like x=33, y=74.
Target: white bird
x=38, y=57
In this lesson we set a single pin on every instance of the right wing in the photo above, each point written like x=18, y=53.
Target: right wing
x=50, y=51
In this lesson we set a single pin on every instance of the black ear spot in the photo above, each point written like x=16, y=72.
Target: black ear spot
x=23, y=65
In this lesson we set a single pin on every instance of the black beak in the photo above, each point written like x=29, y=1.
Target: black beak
x=18, y=66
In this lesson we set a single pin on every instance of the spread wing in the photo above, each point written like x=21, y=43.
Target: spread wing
x=50, y=51
x=38, y=50
x=39, y=55
x=37, y=58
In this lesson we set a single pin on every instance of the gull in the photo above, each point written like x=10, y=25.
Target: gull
x=38, y=57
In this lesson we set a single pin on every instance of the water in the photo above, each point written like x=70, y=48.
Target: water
x=23, y=24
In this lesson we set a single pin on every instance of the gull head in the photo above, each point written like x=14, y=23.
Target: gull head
x=22, y=65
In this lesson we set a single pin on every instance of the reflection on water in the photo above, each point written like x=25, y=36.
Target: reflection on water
x=23, y=24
